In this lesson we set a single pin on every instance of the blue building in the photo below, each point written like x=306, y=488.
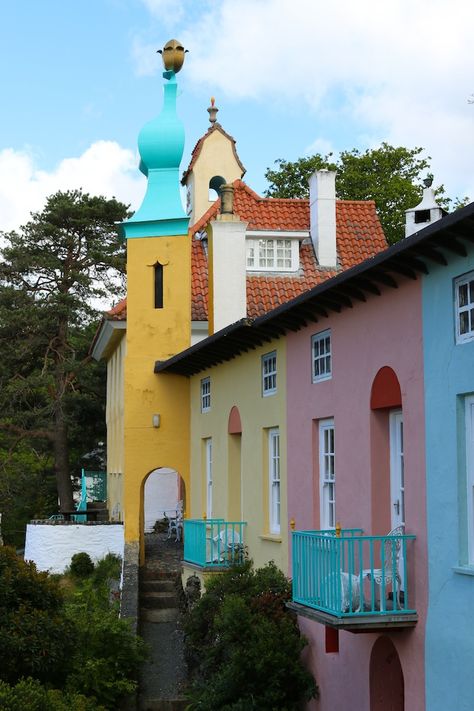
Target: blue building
x=448, y=337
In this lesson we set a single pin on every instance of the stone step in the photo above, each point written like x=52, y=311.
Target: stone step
x=162, y=704
x=160, y=585
x=158, y=600
x=159, y=573
x=168, y=614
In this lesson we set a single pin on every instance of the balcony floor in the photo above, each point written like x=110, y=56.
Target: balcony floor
x=359, y=623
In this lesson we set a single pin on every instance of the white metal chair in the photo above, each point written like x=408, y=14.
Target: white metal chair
x=390, y=573
x=175, y=522
x=226, y=543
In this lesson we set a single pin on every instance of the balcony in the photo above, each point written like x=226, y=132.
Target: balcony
x=351, y=581
x=214, y=543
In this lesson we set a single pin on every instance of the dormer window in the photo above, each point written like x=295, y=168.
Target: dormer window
x=272, y=254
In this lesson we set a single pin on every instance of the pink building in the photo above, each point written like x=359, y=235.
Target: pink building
x=356, y=458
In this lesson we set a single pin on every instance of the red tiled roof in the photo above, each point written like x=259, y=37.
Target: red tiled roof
x=118, y=312
x=198, y=147
x=359, y=236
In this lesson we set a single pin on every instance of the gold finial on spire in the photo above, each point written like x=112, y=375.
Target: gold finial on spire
x=213, y=111
x=172, y=55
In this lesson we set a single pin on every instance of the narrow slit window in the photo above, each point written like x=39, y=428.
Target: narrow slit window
x=158, y=286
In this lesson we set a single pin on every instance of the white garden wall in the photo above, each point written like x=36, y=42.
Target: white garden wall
x=51, y=545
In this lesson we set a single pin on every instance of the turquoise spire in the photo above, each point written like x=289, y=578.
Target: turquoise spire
x=161, y=145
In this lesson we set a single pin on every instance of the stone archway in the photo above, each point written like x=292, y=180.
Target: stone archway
x=387, y=687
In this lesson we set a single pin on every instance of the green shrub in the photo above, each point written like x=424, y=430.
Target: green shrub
x=81, y=566
x=244, y=646
x=108, y=568
x=30, y=695
x=36, y=639
x=108, y=656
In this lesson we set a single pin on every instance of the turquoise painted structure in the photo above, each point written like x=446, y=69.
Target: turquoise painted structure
x=449, y=378
x=337, y=574
x=213, y=543
x=161, y=146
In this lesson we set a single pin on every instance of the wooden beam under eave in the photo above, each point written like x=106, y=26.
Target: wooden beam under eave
x=368, y=286
x=383, y=278
x=452, y=244
x=401, y=268
x=430, y=253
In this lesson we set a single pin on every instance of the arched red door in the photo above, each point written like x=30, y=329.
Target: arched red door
x=387, y=691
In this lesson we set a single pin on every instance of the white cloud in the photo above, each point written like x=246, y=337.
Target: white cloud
x=145, y=57
x=105, y=168
x=168, y=11
x=401, y=71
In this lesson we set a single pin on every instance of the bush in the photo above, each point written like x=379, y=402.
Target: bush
x=36, y=639
x=29, y=695
x=108, y=656
x=81, y=566
x=243, y=645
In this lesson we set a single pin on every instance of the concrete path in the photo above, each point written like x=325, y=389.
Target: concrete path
x=164, y=675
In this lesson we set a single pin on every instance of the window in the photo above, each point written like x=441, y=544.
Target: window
x=464, y=296
x=274, y=479
x=469, y=405
x=321, y=348
x=269, y=374
x=208, y=453
x=205, y=394
x=273, y=255
x=327, y=474
x=158, y=286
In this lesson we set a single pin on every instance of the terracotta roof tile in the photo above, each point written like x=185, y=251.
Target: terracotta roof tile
x=118, y=312
x=359, y=236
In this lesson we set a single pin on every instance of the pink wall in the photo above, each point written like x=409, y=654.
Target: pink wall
x=384, y=331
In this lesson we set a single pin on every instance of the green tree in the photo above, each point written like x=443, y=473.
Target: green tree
x=51, y=272
x=243, y=645
x=391, y=176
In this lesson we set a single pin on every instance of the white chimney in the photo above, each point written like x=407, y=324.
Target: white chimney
x=322, y=216
x=426, y=212
x=227, y=266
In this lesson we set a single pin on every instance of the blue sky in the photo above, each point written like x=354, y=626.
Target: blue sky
x=79, y=79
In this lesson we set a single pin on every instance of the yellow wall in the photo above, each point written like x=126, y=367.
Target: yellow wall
x=216, y=158
x=114, y=419
x=155, y=334
x=239, y=382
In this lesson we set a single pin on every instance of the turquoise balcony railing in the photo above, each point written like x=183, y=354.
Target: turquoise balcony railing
x=214, y=543
x=352, y=575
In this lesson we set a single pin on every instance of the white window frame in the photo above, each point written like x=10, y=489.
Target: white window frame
x=258, y=252
x=327, y=474
x=322, y=357
x=467, y=308
x=205, y=394
x=269, y=374
x=208, y=456
x=274, y=480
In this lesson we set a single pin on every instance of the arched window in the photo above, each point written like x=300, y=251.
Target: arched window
x=215, y=185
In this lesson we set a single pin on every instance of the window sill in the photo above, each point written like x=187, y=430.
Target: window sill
x=275, y=538
x=464, y=569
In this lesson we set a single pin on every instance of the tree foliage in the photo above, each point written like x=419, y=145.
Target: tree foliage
x=73, y=641
x=51, y=271
x=391, y=176
x=243, y=645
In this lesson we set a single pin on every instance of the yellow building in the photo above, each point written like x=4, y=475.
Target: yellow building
x=243, y=257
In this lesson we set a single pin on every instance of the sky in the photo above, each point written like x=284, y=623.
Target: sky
x=291, y=77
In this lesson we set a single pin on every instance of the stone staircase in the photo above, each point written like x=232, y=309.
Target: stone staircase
x=164, y=675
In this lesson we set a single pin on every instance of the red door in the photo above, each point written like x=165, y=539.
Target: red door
x=386, y=677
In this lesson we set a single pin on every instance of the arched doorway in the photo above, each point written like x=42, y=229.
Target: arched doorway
x=387, y=453
x=387, y=687
x=162, y=494
x=163, y=498
x=234, y=429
